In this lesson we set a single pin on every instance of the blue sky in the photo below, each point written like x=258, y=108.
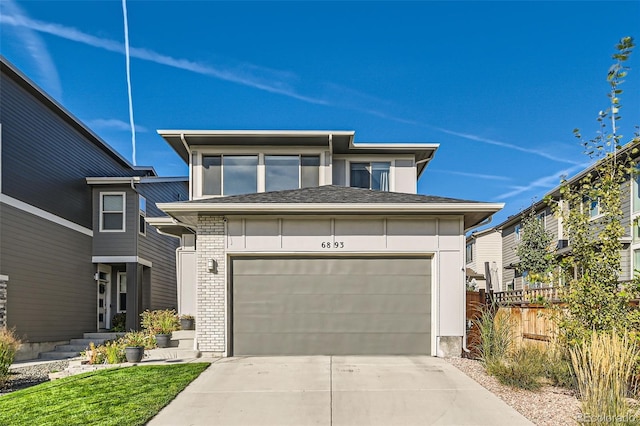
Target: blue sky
x=500, y=85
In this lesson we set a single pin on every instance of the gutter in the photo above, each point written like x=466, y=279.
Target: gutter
x=464, y=298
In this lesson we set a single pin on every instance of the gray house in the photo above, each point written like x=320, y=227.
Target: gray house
x=309, y=243
x=74, y=245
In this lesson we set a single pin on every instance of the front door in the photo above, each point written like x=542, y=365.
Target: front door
x=104, y=292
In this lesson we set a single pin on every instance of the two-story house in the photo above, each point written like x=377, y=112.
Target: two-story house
x=308, y=243
x=74, y=245
x=483, y=256
x=511, y=229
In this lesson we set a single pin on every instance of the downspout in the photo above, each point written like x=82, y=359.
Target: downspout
x=464, y=333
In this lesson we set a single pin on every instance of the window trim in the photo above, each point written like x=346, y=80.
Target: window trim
x=370, y=169
x=517, y=230
x=469, y=252
x=124, y=211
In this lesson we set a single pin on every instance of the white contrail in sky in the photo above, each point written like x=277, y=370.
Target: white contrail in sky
x=272, y=81
x=34, y=48
x=128, y=61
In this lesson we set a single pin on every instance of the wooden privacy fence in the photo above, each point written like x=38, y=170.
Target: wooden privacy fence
x=532, y=322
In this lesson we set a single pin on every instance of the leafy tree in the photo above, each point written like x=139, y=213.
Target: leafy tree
x=535, y=249
x=595, y=298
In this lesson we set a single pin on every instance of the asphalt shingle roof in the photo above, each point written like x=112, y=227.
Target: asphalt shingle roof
x=330, y=194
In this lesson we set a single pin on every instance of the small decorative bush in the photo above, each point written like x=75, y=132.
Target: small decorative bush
x=138, y=338
x=9, y=345
x=522, y=369
x=160, y=321
x=496, y=334
x=119, y=322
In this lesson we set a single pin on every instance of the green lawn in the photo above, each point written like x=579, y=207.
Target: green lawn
x=119, y=396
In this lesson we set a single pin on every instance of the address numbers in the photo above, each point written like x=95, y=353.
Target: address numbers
x=329, y=245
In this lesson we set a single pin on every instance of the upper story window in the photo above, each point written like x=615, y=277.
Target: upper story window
x=229, y=174
x=240, y=174
x=374, y=175
x=291, y=171
x=592, y=207
x=112, y=208
x=517, y=230
x=142, y=213
x=469, y=253
x=542, y=217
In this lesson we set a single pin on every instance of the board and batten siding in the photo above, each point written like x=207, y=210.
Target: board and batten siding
x=160, y=249
x=52, y=291
x=442, y=238
x=45, y=160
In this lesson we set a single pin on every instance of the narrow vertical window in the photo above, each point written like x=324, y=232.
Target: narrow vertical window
x=212, y=175
x=380, y=176
x=360, y=177
x=142, y=213
x=309, y=171
x=122, y=291
x=112, y=212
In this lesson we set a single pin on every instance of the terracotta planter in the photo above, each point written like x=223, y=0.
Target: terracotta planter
x=162, y=340
x=134, y=353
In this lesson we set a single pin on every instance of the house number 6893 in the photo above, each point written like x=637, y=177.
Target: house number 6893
x=328, y=245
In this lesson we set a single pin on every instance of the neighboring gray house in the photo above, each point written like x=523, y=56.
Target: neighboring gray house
x=513, y=279
x=74, y=245
x=309, y=243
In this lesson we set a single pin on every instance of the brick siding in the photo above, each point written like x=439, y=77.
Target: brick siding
x=211, y=306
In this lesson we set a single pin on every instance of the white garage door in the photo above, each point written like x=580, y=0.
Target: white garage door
x=331, y=306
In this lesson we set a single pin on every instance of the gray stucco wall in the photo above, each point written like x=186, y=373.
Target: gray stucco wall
x=52, y=295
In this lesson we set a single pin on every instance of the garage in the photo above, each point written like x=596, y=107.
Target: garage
x=331, y=305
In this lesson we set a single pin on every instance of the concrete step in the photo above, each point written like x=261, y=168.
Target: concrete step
x=86, y=342
x=183, y=334
x=185, y=344
x=58, y=355
x=104, y=335
x=71, y=348
x=170, y=353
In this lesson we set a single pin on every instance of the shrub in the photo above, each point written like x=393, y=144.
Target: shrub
x=496, y=335
x=138, y=338
x=160, y=321
x=523, y=368
x=558, y=368
x=9, y=345
x=604, y=364
x=114, y=352
x=119, y=322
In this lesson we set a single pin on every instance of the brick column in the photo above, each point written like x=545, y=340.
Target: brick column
x=211, y=308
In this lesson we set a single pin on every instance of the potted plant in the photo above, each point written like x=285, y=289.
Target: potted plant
x=187, y=322
x=134, y=344
x=160, y=323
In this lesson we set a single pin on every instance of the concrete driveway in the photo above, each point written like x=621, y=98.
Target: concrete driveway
x=336, y=390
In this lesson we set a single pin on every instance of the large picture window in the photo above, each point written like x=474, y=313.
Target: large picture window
x=238, y=174
x=229, y=174
x=373, y=175
x=282, y=172
x=291, y=171
x=112, y=208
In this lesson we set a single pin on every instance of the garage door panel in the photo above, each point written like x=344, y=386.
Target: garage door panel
x=333, y=344
x=331, y=284
x=331, y=303
x=341, y=305
x=339, y=323
x=329, y=266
